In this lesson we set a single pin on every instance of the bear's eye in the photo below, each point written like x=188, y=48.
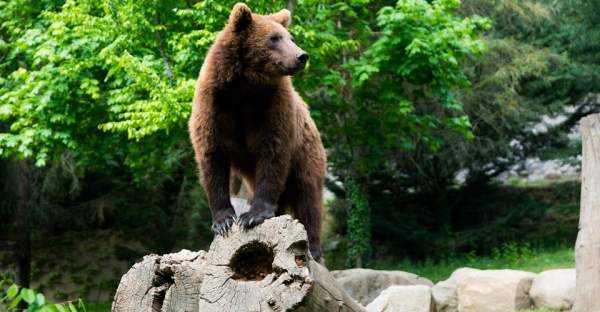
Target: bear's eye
x=275, y=38
x=293, y=39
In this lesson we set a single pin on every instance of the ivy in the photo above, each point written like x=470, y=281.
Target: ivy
x=359, y=225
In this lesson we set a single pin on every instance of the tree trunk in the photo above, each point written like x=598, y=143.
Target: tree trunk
x=22, y=226
x=587, y=249
x=291, y=5
x=266, y=268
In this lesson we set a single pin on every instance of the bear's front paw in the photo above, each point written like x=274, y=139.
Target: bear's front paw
x=223, y=222
x=259, y=212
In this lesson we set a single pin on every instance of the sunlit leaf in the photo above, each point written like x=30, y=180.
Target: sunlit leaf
x=28, y=295
x=12, y=291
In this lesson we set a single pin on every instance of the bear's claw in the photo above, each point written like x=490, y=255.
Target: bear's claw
x=222, y=225
x=254, y=218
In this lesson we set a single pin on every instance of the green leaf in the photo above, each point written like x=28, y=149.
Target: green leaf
x=72, y=307
x=12, y=291
x=28, y=295
x=15, y=302
x=81, y=305
x=60, y=308
x=32, y=308
x=53, y=308
x=40, y=299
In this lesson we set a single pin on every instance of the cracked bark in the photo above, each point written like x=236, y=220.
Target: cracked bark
x=266, y=268
x=587, y=247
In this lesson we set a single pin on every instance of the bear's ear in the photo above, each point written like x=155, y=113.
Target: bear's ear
x=283, y=17
x=240, y=17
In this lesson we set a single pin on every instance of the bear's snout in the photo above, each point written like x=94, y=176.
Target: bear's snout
x=302, y=57
x=300, y=62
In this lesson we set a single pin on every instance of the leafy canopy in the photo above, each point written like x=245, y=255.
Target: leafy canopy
x=129, y=67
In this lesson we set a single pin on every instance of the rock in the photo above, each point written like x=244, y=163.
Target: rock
x=364, y=285
x=444, y=293
x=413, y=298
x=494, y=291
x=554, y=289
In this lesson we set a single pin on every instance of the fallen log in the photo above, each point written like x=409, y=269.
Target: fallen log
x=266, y=268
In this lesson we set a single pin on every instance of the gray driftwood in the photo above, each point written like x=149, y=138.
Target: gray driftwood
x=267, y=268
x=587, y=248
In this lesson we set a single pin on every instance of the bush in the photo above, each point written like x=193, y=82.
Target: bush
x=14, y=297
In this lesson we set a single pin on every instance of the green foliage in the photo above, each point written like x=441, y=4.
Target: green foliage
x=406, y=94
x=385, y=84
x=527, y=259
x=576, y=18
x=12, y=295
x=130, y=67
x=520, y=79
x=512, y=251
x=526, y=73
x=111, y=82
x=481, y=218
x=96, y=94
x=87, y=66
x=400, y=90
x=359, y=226
x=123, y=67
x=98, y=307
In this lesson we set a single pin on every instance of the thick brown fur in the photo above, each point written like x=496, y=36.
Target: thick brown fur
x=248, y=120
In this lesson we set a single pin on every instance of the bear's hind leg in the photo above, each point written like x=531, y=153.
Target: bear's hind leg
x=307, y=205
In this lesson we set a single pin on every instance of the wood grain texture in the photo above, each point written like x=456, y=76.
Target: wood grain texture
x=587, y=249
x=296, y=283
x=266, y=268
x=169, y=283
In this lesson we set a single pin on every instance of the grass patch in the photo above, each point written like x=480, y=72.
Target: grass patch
x=509, y=256
x=97, y=307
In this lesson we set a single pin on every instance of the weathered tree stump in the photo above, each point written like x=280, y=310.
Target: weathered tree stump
x=587, y=248
x=266, y=268
x=162, y=283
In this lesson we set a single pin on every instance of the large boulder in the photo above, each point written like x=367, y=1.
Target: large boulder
x=494, y=291
x=413, y=298
x=554, y=289
x=444, y=293
x=364, y=285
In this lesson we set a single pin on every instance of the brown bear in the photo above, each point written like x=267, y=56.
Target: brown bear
x=248, y=120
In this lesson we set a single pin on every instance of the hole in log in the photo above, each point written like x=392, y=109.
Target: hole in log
x=299, y=250
x=161, y=282
x=252, y=262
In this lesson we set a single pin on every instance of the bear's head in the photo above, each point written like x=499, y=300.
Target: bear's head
x=264, y=44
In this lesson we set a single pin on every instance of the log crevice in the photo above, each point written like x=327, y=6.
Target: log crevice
x=163, y=279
